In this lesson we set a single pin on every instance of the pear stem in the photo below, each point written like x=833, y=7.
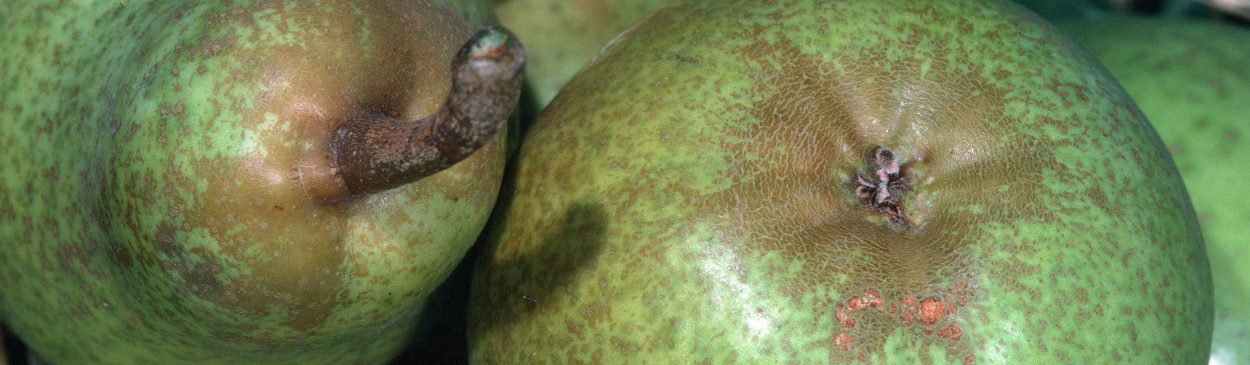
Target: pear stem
x=375, y=152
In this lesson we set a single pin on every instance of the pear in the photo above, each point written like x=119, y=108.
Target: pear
x=1191, y=79
x=562, y=35
x=883, y=182
x=242, y=182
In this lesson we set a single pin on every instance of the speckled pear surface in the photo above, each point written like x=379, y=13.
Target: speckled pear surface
x=154, y=182
x=1192, y=79
x=690, y=197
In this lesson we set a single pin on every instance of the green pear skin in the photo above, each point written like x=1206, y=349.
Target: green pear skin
x=693, y=196
x=159, y=176
x=563, y=35
x=1192, y=80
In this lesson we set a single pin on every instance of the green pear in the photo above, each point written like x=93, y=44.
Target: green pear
x=802, y=181
x=1192, y=80
x=238, y=182
x=562, y=35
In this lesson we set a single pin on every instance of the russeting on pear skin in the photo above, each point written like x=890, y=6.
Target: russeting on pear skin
x=1191, y=77
x=242, y=182
x=813, y=182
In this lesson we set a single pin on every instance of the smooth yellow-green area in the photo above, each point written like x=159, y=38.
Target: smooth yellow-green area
x=563, y=35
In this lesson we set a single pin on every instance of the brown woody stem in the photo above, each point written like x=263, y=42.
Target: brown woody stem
x=374, y=152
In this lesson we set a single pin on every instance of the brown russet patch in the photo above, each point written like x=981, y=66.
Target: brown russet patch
x=931, y=310
x=845, y=319
x=951, y=331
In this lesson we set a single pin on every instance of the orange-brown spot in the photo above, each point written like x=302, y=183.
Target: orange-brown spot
x=951, y=331
x=931, y=310
x=856, y=303
x=845, y=319
x=960, y=288
x=844, y=341
x=872, y=297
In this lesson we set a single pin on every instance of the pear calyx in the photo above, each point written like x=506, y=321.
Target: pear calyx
x=880, y=189
x=375, y=152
